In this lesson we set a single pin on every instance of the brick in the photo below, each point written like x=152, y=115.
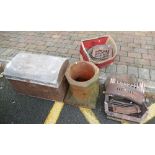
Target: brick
x=40, y=47
x=62, y=50
x=78, y=43
x=127, y=39
x=53, y=40
x=31, y=50
x=8, y=52
x=30, y=41
x=142, y=62
x=21, y=44
x=120, y=63
x=122, y=53
x=68, y=42
x=56, y=36
x=74, y=52
x=148, y=38
x=144, y=73
x=125, y=48
x=151, y=51
x=111, y=68
x=59, y=45
x=121, y=43
x=134, y=55
x=5, y=42
x=64, y=55
x=12, y=44
x=152, y=73
x=52, y=53
x=13, y=39
x=140, y=34
x=118, y=47
x=134, y=45
x=127, y=59
x=74, y=56
x=72, y=60
x=122, y=69
x=140, y=50
x=22, y=40
x=2, y=50
x=78, y=48
x=70, y=47
x=51, y=49
x=148, y=56
x=149, y=67
x=133, y=70
x=40, y=43
x=152, y=63
x=74, y=38
x=30, y=46
x=50, y=43
x=139, y=41
x=102, y=70
x=43, y=52
x=151, y=47
x=150, y=42
x=117, y=58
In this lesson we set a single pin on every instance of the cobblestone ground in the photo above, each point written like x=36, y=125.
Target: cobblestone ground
x=136, y=50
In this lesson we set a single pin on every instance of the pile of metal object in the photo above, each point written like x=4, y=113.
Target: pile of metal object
x=125, y=100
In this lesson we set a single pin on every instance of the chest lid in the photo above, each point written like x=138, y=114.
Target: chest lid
x=36, y=68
